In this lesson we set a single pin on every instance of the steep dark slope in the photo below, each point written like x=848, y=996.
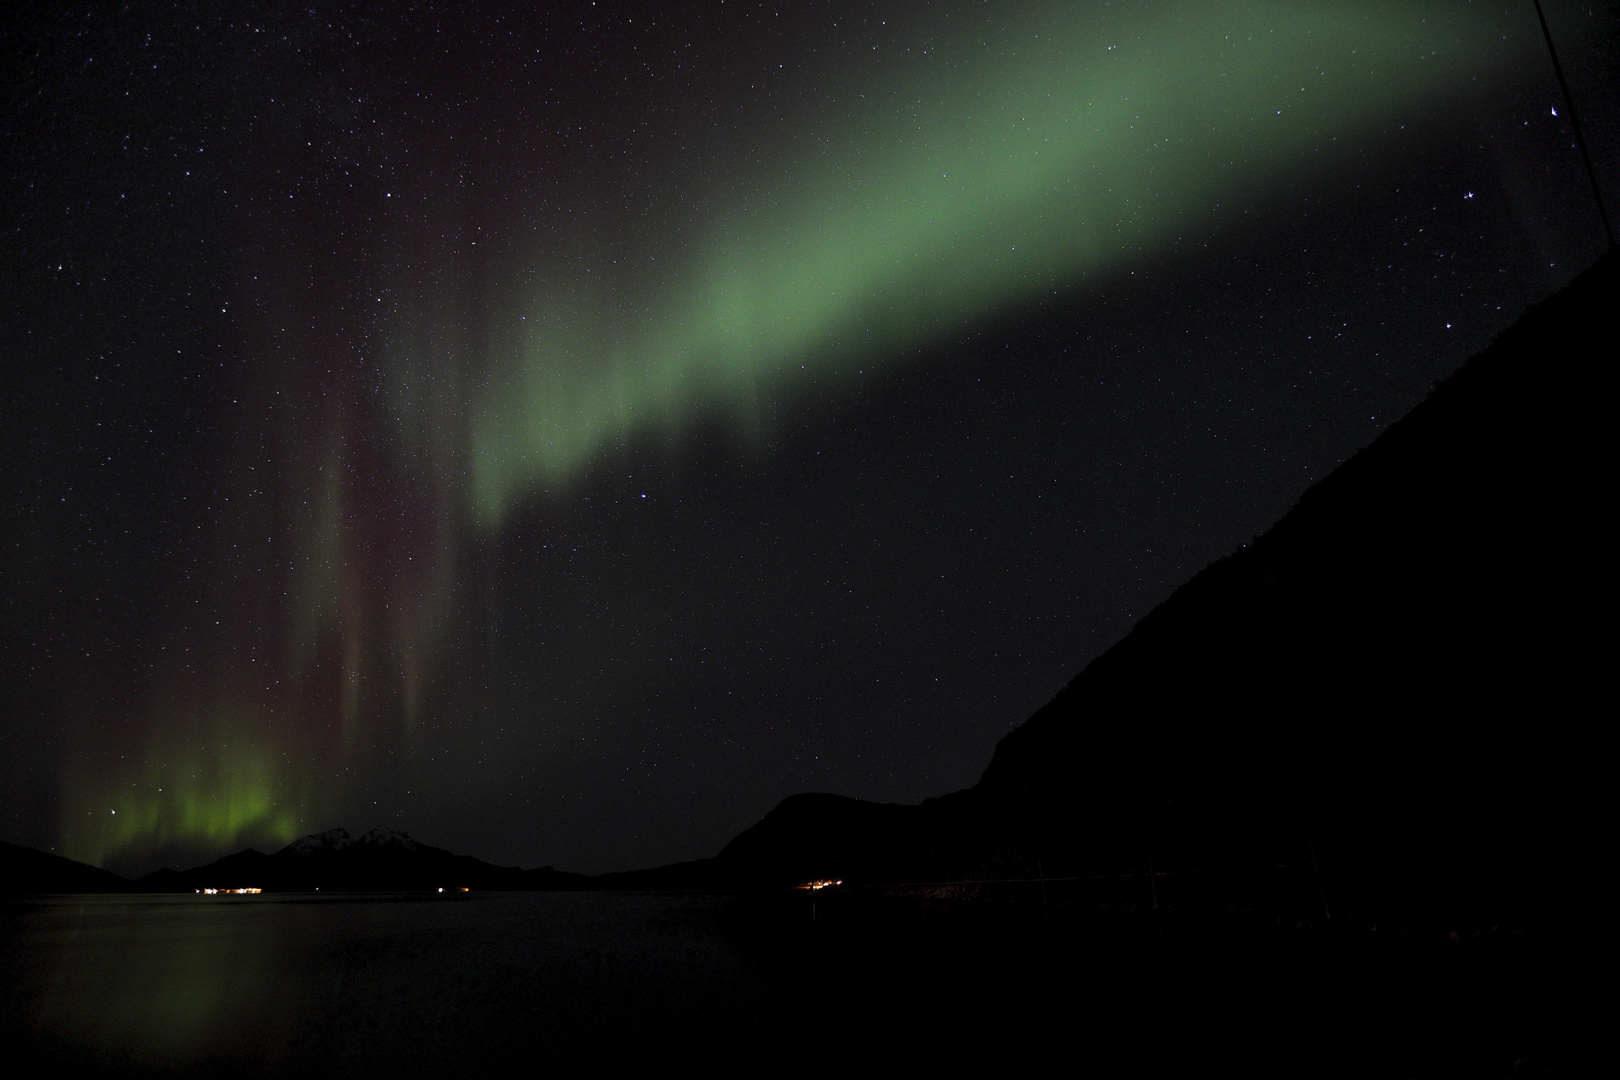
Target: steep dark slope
x=1407, y=667
x=24, y=870
x=1412, y=655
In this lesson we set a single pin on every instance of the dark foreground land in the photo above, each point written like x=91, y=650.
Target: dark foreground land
x=570, y=982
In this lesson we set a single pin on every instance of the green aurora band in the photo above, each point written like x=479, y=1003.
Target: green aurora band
x=988, y=171
x=1084, y=144
x=226, y=784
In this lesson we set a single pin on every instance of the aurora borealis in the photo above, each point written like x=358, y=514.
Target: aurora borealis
x=565, y=434
x=1080, y=144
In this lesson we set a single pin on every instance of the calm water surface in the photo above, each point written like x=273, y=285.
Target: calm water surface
x=311, y=985
x=371, y=985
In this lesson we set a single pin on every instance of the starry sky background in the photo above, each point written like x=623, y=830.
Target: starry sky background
x=563, y=434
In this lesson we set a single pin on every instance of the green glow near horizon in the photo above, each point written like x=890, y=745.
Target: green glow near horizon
x=1081, y=147
x=183, y=793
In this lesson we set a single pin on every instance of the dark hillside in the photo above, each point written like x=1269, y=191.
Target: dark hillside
x=1403, y=672
x=333, y=861
x=24, y=870
x=1409, y=660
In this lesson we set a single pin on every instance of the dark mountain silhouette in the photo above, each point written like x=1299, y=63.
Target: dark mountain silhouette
x=334, y=861
x=24, y=870
x=1400, y=680
x=382, y=859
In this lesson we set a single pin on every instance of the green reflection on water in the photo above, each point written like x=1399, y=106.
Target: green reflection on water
x=161, y=981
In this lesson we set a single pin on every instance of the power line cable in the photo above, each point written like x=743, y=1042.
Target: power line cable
x=1575, y=122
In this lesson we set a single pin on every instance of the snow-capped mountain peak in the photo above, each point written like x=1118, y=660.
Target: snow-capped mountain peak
x=390, y=838
x=318, y=843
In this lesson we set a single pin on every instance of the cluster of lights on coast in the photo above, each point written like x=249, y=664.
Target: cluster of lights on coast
x=459, y=889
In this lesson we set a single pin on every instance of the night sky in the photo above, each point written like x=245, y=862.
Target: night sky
x=563, y=431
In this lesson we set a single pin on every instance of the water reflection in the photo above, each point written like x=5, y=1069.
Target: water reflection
x=164, y=980
x=566, y=983
x=400, y=985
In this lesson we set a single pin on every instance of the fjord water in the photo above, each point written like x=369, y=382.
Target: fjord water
x=406, y=985
x=394, y=984
x=368, y=983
